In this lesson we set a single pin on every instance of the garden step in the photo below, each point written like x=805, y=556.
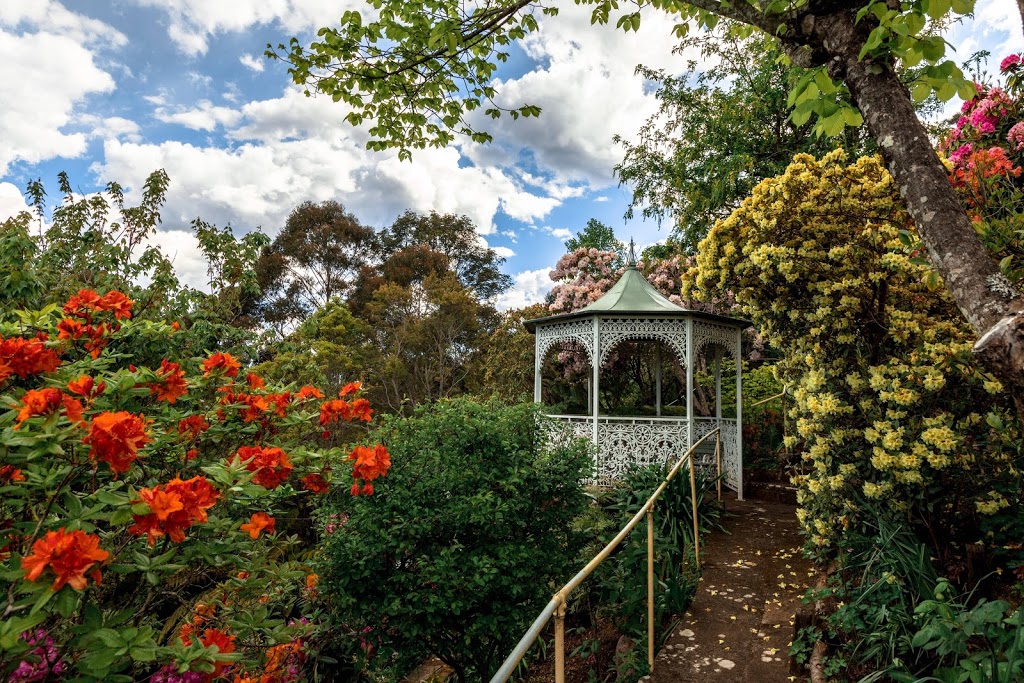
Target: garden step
x=741, y=622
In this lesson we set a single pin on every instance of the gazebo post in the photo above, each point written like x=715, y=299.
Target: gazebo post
x=537, y=364
x=739, y=411
x=689, y=385
x=596, y=363
x=718, y=387
x=657, y=378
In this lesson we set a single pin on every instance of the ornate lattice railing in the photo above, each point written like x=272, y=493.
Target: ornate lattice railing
x=626, y=441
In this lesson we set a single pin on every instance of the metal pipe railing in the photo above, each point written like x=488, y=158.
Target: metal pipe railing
x=556, y=607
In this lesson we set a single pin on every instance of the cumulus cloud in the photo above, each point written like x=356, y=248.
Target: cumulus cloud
x=250, y=62
x=503, y=252
x=529, y=287
x=203, y=116
x=48, y=65
x=12, y=202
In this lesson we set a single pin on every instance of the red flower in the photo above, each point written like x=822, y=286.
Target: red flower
x=223, y=362
x=116, y=438
x=370, y=463
x=9, y=474
x=118, y=304
x=309, y=392
x=255, y=381
x=350, y=388
x=225, y=645
x=25, y=357
x=69, y=555
x=280, y=402
x=270, y=465
x=86, y=386
x=259, y=522
x=315, y=483
x=192, y=426
x=361, y=410
x=171, y=382
x=191, y=454
x=333, y=411
x=174, y=507
x=46, y=401
x=83, y=303
x=69, y=328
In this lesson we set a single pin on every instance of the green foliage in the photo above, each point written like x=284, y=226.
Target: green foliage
x=504, y=363
x=622, y=581
x=718, y=132
x=465, y=546
x=596, y=235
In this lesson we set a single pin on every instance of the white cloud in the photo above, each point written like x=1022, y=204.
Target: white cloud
x=503, y=252
x=529, y=287
x=995, y=27
x=48, y=68
x=250, y=62
x=204, y=116
x=182, y=248
x=12, y=202
x=112, y=127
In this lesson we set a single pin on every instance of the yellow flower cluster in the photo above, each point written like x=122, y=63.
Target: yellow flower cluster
x=887, y=399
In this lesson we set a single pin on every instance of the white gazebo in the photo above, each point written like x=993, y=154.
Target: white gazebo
x=633, y=310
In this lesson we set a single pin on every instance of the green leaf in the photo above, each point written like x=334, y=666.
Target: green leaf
x=921, y=91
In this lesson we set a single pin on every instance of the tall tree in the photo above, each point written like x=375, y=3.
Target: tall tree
x=418, y=67
x=596, y=235
x=722, y=126
x=314, y=259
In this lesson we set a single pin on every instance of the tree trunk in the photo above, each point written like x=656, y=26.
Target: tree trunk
x=982, y=293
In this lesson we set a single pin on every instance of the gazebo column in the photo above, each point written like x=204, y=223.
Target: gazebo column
x=739, y=411
x=657, y=378
x=689, y=385
x=538, y=363
x=718, y=387
x=596, y=366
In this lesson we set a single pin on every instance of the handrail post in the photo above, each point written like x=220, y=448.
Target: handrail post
x=650, y=586
x=693, y=503
x=560, y=640
x=718, y=461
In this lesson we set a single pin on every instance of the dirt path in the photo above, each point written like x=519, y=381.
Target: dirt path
x=740, y=624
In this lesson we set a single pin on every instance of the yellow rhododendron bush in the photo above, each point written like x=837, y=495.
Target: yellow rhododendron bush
x=893, y=417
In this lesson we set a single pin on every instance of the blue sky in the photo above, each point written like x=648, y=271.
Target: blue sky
x=114, y=89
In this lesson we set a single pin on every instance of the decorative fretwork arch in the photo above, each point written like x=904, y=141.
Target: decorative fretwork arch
x=708, y=334
x=580, y=332
x=614, y=331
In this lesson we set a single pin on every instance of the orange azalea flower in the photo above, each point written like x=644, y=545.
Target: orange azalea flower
x=255, y=381
x=45, y=401
x=69, y=555
x=97, y=340
x=271, y=465
x=86, y=386
x=174, y=507
x=258, y=522
x=225, y=645
x=312, y=580
x=25, y=357
x=350, y=388
x=309, y=392
x=171, y=382
x=280, y=402
x=69, y=328
x=116, y=438
x=191, y=454
x=361, y=410
x=83, y=303
x=118, y=304
x=223, y=362
x=370, y=463
x=9, y=474
x=315, y=483
x=192, y=426
x=175, y=326
x=333, y=411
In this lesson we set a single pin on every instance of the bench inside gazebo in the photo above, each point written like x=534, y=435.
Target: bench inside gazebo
x=633, y=310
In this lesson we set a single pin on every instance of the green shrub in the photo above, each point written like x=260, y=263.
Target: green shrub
x=465, y=546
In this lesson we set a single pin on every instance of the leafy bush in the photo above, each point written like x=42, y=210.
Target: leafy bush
x=150, y=517
x=467, y=543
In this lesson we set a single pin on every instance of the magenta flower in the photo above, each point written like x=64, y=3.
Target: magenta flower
x=1009, y=62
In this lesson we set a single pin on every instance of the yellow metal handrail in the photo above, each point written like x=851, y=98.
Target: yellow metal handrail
x=556, y=607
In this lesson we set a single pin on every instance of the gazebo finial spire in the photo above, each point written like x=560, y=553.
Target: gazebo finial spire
x=631, y=254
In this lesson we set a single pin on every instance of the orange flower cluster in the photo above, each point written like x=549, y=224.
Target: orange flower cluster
x=338, y=409
x=25, y=357
x=270, y=465
x=255, y=381
x=47, y=401
x=87, y=302
x=170, y=384
x=86, y=386
x=174, y=507
x=308, y=392
x=116, y=438
x=370, y=463
x=192, y=426
x=350, y=388
x=982, y=165
x=315, y=483
x=69, y=555
x=256, y=404
x=223, y=363
x=211, y=636
x=258, y=523
x=10, y=474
